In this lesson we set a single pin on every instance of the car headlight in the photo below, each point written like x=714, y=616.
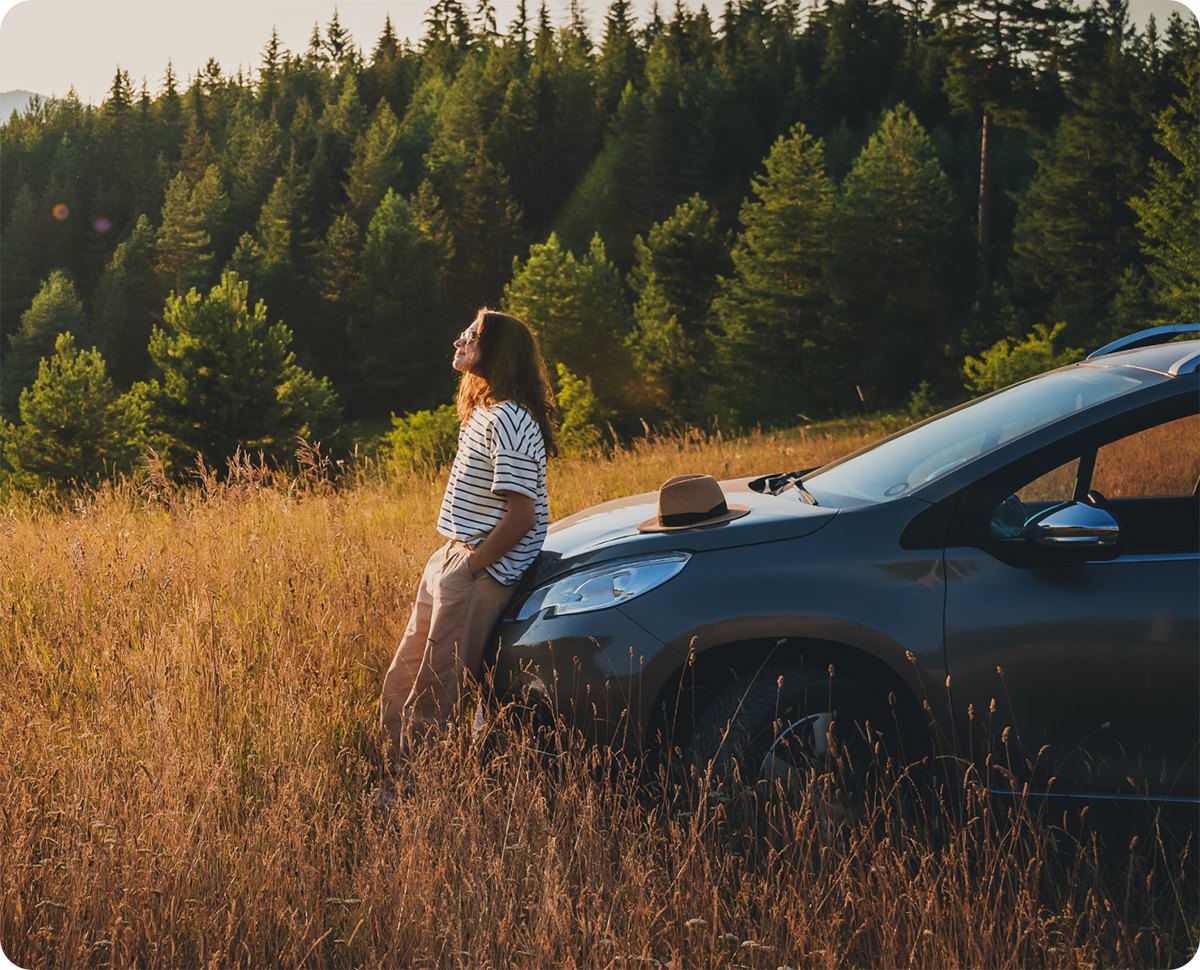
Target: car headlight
x=610, y=584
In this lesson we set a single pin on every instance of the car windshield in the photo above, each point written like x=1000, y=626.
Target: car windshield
x=896, y=466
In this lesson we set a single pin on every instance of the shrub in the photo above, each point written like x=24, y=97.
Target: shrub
x=426, y=440
x=1003, y=364
x=582, y=414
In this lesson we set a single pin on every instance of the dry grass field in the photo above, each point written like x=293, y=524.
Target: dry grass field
x=188, y=688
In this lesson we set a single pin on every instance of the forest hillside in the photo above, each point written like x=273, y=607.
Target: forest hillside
x=755, y=215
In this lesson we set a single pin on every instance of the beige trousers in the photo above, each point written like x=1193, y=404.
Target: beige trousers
x=442, y=648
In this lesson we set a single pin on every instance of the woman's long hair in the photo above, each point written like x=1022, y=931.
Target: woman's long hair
x=510, y=368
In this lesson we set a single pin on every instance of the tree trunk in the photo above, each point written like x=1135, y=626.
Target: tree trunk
x=985, y=210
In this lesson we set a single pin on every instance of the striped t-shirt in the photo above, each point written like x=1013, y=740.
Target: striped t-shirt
x=500, y=449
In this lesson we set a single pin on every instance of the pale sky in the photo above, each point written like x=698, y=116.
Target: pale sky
x=46, y=46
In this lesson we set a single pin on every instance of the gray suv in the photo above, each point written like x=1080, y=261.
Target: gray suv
x=1020, y=570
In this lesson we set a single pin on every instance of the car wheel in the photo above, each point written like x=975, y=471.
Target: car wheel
x=788, y=729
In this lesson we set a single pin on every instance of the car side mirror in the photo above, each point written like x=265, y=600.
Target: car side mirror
x=1075, y=532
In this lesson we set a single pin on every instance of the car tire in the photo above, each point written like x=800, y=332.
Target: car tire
x=788, y=729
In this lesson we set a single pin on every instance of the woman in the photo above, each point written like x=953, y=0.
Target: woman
x=495, y=516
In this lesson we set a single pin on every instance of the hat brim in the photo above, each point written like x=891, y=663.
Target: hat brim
x=653, y=525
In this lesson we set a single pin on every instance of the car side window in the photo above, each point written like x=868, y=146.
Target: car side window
x=1148, y=481
x=1163, y=460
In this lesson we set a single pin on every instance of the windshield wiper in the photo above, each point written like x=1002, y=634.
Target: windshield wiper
x=778, y=484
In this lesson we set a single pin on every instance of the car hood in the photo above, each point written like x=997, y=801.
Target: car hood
x=609, y=531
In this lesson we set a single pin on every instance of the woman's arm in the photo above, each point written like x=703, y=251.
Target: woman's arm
x=520, y=518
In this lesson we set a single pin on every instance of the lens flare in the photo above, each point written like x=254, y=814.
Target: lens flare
x=61, y=212
x=102, y=225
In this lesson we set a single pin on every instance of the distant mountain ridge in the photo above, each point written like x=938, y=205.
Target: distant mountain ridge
x=15, y=101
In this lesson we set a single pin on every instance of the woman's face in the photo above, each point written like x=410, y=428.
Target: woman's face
x=466, y=348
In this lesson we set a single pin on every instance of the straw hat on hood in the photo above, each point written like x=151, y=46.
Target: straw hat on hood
x=691, y=501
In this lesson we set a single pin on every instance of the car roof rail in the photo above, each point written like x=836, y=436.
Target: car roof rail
x=1144, y=338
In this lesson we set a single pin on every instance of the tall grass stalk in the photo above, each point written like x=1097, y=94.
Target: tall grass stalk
x=188, y=689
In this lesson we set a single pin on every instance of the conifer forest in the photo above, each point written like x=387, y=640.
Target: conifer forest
x=754, y=215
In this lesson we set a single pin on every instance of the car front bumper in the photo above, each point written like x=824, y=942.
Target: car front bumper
x=599, y=671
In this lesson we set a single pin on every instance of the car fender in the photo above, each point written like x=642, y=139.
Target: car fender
x=922, y=674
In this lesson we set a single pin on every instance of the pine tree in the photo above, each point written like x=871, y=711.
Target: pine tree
x=485, y=17
x=125, y=179
x=250, y=162
x=387, y=47
x=335, y=273
x=212, y=207
x=457, y=130
x=75, y=427
x=337, y=260
x=630, y=184
x=418, y=128
x=280, y=231
x=170, y=105
x=230, y=382
x=516, y=140
x=337, y=45
x=246, y=260
x=328, y=143
x=1169, y=213
x=577, y=25
x=391, y=75
x=55, y=310
x=487, y=235
x=757, y=64
x=61, y=210
x=860, y=48
x=519, y=28
x=285, y=247
x=577, y=310
x=619, y=63
x=397, y=326
x=676, y=278
x=724, y=143
x=1075, y=231
x=771, y=347
x=447, y=37
x=375, y=167
x=128, y=301
x=208, y=97
x=119, y=102
x=196, y=154
x=19, y=255
x=316, y=52
x=894, y=273
x=566, y=129
x=1003, y=64
x=184, y=254
x=273, y=57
